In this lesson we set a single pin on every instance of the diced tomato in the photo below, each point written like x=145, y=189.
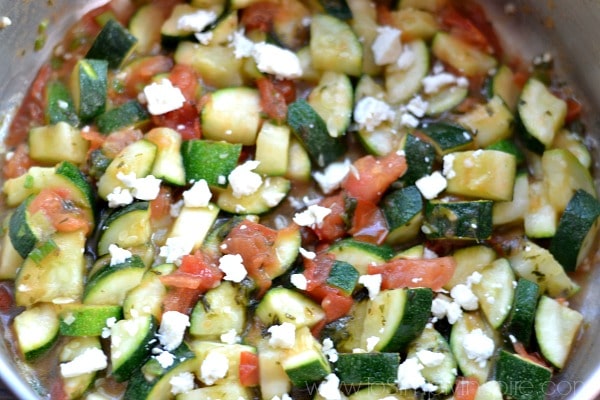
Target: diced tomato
x=369, y=223
x=534, y=357
x=31, y=112
x=466, y=388
x=6, y=299
x=118, y=140
x=384, y=15
x=184, y=77
x=254, y=242
x=573, y=110
x=433, y=273
x=287, y=88
x=140, y=74
x=248, y=370
x=272, y=101
x=372, y=176
x=160, y=208
x=334, y=224
x=95, y=138
x=18, y=164
x=57, y=391
x=180, y=299
x=60, y=211
x=184, y=120
x=259, y=16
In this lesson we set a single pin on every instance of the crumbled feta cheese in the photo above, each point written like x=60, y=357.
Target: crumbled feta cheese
x=387, y=46
x=213, y=368
x=329, y=350
x=307, y=254
x=176, y=247
x=197, y=21
x=242, y=46
x=329, y=388
x=448, y=169
x=407, y=58
x=182, y=383
x=432, y=185
x=478, y=346
x=313, y=216
x=464, y=296
x=299, y=281
x=282, y=336
x=433, y=83
x=232, y=266
x=474, y=278
x=284, y=396
x=409, y=374
x=172, y=328
x=372, y=342
x=442, y=308
x=163, y=97
x=118, y=255
x=204, y=38
x=409, y=120
x=63, y=105
x=372, y=283
x=5, y=22
x=198, y=195
x=277, y=61
x=332, y=176
x=91, y=360
x=146, y=188
x=272, y=198
x=417, y=106
x=369, y=112
x=119, y=197
x=165, y=359
x=230, y=337
x=243, y=180
x=430, y=358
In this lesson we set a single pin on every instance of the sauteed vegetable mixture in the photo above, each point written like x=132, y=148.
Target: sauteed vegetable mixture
x=331, y=199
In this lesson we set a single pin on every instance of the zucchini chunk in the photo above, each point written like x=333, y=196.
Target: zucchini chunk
x=60, y=106
x=86, y=319
x=126, y=227
x=76, y=386
x=36, y=330
x=469, y=220
x=130, y=114
x=305, y=362
x=334, y=46
x=521, y=379
x=110, y=284
x=281, y=305
x=89, y=87
x=495, y=291
x=332, y=99
x=114, y=44
x=210, y=160
x=130, y=345
x=360, y=254
x=522, y=313
x=52, y=144
x=358, y=369
x=403, y=210
x=462, y=56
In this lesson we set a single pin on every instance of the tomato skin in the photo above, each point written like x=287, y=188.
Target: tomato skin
x=248, y=370
x=433, y=273
x=60, y=211
x=272, y=101
x=573, y=110
x=118, y=140
x=18, y=164
x=184, y=120
x=369, y=223
x=371, y=176
x=334, y=224
x=259, y=16
x=142, y=72
x=184, y=77
x=160, y=208
x=465, y=388
x=6, y=299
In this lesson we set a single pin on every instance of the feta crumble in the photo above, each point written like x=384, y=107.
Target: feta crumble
x=409, y=374
x=182, y=383
x=232, y=266
x=198, y=195
x=430, y=358
x=329, y=388
x=372, y=342
x=282, y=336
x=442, y=308
x=119, y=197
x=307, y=254
x=448, y=168
x=432, y=185
x=175, y=248
x=230, y=337
x=478, y=346
x=369, y=112
x=197, y=21
x=163, y=97
x=274, y=60
x=5, y=22
x=242, y=46
x=329, y=350
x=372, y=283
x=464, y=296
x=214, y=367
x=91, y=360
x=118, y=255
x=332, y=176
x=313, y=216
x=204, y=38
x=243, y=180
x=172, y=328
x=165, y=359
x=299, y=281
x=387, y=46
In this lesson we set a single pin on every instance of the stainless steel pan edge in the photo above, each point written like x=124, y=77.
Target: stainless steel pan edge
x=566, y=28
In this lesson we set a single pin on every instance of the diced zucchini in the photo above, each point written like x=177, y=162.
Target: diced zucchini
x=136, y=158
x=217, y=65
x=145, y=26
x=170, y=31
x=489, y=122
x=53, y=273
x=289, y=28
x=343, y=276
x=468, y=260
x=482, y=174
x=556, y=329
x=415, y=23
x=55, y=143
x=194, y=223
x=168, y=163
x=272, y=377
x=147, y=297
x=229, y=390
x=232, y=352
x=573, y=142
x=520, y=378
x=114, y=43
x=110, y=284
x=576, y=231
x=530, y=261
x=86, y=319
x=220, y=310
x=364, y=23
x=333, y=99
x=522, y=313
x=489, y=391
x=360, y=254
x=281, y=305
x=445, y=99
x=381, y=140
x=298, y=167
x=130, y=114
x=76, y=386
x=541, y=218
x=446, y=137
x=420, y=156
x=513, y=211
x=443, y=374
x=495, y=291
x=305, y=362
x=272, y=191
x=60, y=107
x=367, y=368
x=396, y=317
x=287, y=246
x=402, y=83
x=503, y=85
x=26, y=230
x=429, y=5
x=10, y=259
x=130, y=345
x=334, y=46
x=403, y=210
x=461, y=55
x=470, y=220
x=312, y=131
x=541, y=114
x=126, y=227
x=36, y=330
x=89, y=87
x=272, y=149
x=210, y=160
x=233, y=115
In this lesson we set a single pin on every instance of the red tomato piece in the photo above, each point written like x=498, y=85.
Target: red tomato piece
x=18, y=164
x=118, y=140
x=259, y=16
x=334, y=224
x=60, y=211
x=287, y=88
x=160, y=207
x=433, y=273
x=369, y=223
x=248, y=370
x=184, y=77
x=185, y=120
x=6, y=299
x=466, y=388
x=140, y=74
x=272, y=101
x=180, y=299
x=372, y=176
